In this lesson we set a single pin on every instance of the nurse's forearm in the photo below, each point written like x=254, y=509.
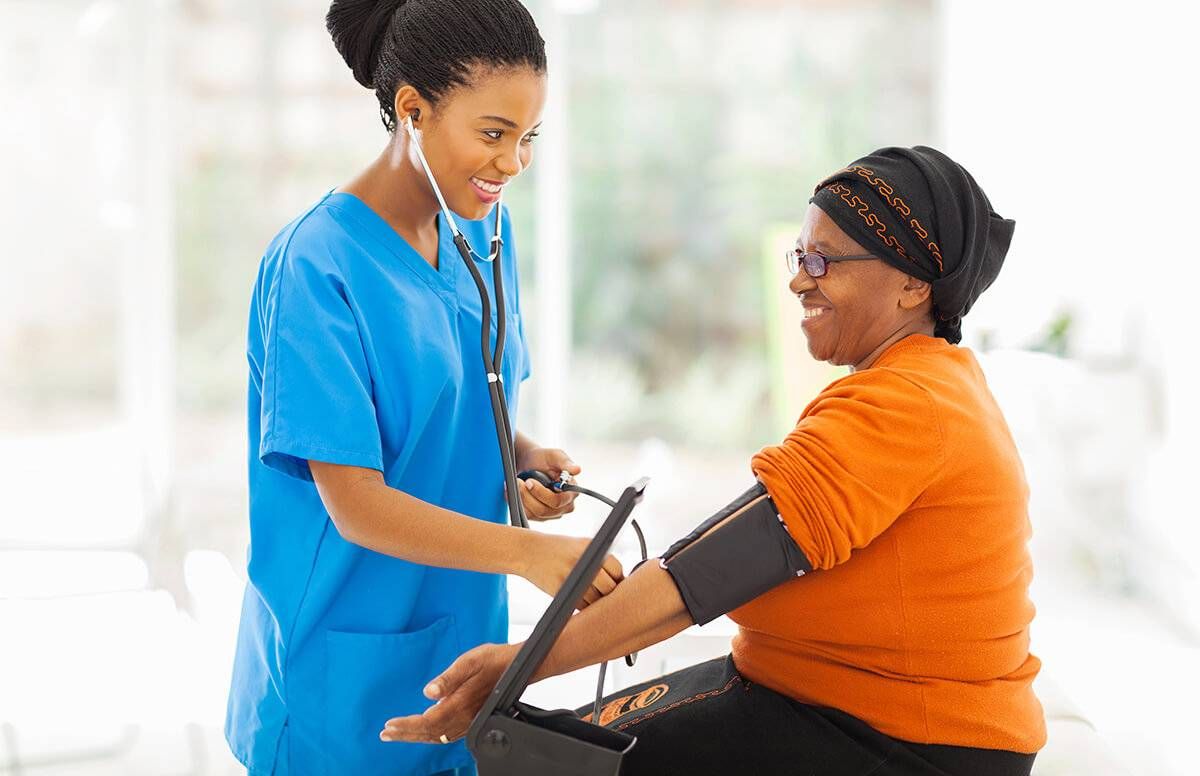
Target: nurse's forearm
x=645, y=609
x=369, y=513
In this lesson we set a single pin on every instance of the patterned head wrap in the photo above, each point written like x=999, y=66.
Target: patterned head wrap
x=921, y=212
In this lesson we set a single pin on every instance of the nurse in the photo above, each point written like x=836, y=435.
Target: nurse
x=378, y=526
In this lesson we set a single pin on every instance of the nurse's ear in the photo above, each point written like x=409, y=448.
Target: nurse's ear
x=409, y=103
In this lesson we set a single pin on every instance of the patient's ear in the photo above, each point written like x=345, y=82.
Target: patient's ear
x=915, y=293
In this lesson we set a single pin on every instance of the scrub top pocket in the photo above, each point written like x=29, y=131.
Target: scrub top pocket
x=372, y=677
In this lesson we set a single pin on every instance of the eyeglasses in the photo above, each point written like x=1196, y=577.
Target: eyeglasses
x=816, y=264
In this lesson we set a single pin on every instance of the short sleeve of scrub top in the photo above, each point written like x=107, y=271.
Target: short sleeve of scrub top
x=317, y=401
x=362, y=353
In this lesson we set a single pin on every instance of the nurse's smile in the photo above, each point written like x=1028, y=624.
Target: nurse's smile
x=487, y=191
x=483, y=135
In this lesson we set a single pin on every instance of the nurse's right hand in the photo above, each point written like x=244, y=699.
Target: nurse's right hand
x=554, y=556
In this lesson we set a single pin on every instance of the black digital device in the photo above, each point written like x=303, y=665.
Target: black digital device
x=510, y=738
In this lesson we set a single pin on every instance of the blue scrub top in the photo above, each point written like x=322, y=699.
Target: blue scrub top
x=363, y=354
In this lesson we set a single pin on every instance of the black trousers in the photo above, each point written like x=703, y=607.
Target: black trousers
x=707, y=719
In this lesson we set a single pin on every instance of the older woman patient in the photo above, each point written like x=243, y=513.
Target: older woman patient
x=905, y=648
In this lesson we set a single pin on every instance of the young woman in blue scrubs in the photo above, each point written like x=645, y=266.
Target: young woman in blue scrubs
x=378, y=527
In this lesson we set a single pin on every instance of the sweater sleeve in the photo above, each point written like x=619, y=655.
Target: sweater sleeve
x=861, y=453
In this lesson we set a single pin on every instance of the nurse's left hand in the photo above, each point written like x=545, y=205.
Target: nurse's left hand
x=460, y=693
x=540, y=502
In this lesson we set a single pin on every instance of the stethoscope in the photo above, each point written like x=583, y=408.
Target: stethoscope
x=492, y=359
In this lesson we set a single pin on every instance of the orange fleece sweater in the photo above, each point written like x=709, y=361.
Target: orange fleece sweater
x=902, y=485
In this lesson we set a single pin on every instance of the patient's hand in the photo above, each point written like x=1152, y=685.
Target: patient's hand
x=460, y=692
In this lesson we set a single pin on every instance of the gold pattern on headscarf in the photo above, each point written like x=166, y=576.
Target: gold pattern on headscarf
x=887, y=192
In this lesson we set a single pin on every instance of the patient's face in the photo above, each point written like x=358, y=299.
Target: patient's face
x=855, y=306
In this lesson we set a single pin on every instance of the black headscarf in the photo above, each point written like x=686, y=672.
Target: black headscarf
x=922, y=213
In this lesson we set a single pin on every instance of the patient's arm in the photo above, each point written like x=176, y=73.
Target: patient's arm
x=645, y=608
x=736, y=555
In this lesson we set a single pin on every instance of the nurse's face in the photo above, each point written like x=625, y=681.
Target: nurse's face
x=857, y=306
x=480, y=136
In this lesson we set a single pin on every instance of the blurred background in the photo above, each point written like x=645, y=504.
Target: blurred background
x=151, y=148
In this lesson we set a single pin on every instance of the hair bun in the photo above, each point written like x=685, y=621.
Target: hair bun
x=357, y=28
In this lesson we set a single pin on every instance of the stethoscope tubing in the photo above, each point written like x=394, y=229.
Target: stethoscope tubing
x=493, y=360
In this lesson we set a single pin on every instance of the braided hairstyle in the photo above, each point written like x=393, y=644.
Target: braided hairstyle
x=431, y=45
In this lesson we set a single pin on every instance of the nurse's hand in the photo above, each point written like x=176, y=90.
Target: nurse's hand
x=540, y=502
x=460, y=693
x=553, y=557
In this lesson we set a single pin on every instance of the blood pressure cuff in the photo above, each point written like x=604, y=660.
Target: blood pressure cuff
x=749, y=552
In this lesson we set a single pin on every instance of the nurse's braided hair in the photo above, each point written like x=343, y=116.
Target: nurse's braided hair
x=430, y=44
